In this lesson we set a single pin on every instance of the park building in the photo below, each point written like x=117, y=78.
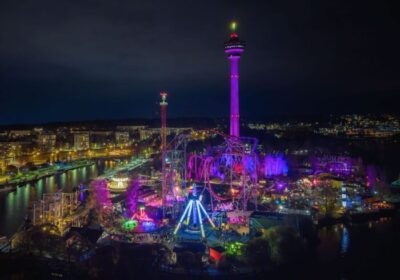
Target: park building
x=81, y=141
x=131, y=128
x=47, y=142
x=150, y=132
x=15, y=134
x=101, y=139
x=122, y=138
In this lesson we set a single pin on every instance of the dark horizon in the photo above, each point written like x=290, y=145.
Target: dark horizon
x=188, y=121
x=86, y=60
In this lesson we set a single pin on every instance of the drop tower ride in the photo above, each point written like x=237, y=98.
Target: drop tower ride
x=164, y=105
x=234, y=49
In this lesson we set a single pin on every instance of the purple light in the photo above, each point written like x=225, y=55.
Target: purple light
x=148, y=226
x=215, y=171
x=281, y=186
x=81, y=197
x=101, y=193
x=234, y=129
x=234, y=48
x=275, y=165
x=132, y=194
x=333, y=164
x=250, y=165
x=343, y=168
x=196, y=167
x=371, y=176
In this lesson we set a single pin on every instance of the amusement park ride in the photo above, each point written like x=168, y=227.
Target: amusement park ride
x=192, y=213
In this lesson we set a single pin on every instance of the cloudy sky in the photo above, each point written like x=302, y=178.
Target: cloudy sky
x=101, y=59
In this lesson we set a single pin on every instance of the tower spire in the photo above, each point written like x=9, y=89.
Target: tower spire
x=233, y=26
x=234, y=48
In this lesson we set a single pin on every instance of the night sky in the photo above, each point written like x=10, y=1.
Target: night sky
x=91, y=59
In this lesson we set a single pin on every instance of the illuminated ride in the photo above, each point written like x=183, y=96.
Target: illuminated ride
x=118, y=184
x=164, y=106
x=142, y=222
x=193, y=215
x=228, y=171
x=174, y=175
x=138, y=221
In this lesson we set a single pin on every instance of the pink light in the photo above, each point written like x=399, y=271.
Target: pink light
x=142, y=216
x=234, y=48
x=101, y=193
x=234, y=128
x=132, y=195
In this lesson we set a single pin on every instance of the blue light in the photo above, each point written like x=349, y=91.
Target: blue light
x=208, y=217
x=344, y=242
x=183, y=216
x=188, y=216
x=148, y=226
x=200, y=219
x=193, y=213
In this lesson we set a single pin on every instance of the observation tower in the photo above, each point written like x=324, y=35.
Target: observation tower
x=234, y=49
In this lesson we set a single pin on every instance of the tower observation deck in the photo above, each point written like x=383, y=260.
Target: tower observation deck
x=234, y=49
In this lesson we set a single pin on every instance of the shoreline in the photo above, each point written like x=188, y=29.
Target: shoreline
x=9, y=187
x=350, y=219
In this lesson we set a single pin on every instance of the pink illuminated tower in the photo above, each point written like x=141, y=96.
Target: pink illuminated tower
x=234, y=48
x=164, y=105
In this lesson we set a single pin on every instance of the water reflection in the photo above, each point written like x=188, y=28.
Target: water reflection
x=344, y=243
x=14, y=206
x=334, y=242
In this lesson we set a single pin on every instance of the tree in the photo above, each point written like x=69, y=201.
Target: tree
x=132, y=195
x=381, y=190
x=30, y=166
x=285, y=245
x=187, y=260
x=38, y=239
x=329, y=196
x=11, y=169
x=223, y=263
x=257, y=253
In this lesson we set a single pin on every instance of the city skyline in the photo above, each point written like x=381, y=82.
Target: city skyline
x=71, y=62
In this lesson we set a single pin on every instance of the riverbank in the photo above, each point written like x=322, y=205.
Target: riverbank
x=356, y=217
x=34, y=176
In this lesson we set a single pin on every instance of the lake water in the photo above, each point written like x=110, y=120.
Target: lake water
x=367, y=250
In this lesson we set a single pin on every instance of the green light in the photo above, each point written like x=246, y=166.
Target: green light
x=233, y=26
x=234, y=248
x=130, y=225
